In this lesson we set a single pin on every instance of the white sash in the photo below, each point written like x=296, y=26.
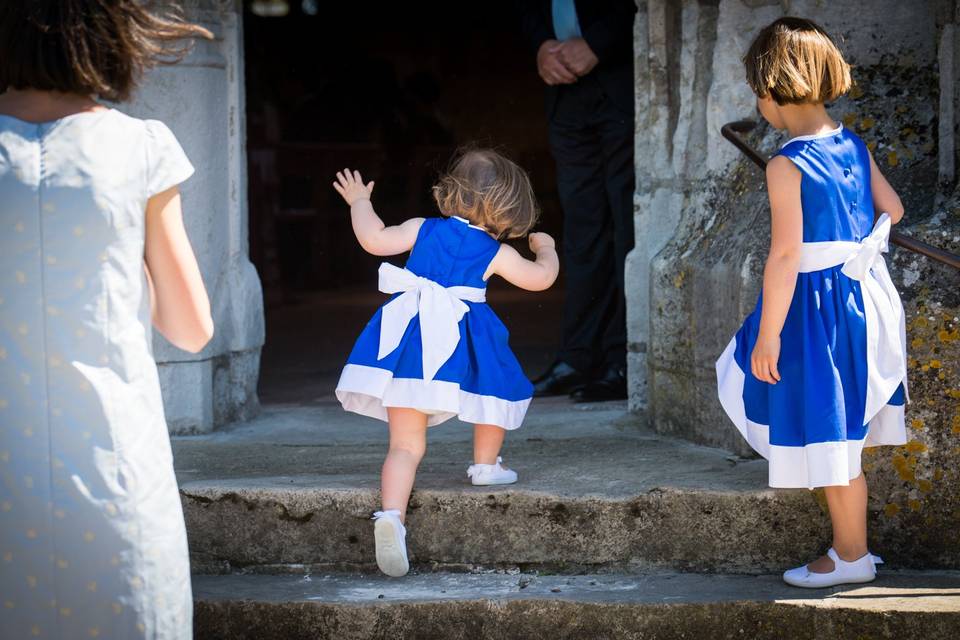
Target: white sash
x=886, y=326
x=440, y=309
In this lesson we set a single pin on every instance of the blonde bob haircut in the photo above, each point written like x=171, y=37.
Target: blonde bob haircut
x=490, y=191
x=794, y=61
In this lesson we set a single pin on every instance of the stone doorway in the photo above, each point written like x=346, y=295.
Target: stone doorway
x=423, y=79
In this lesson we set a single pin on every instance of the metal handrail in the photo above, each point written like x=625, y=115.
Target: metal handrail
x=732, y=130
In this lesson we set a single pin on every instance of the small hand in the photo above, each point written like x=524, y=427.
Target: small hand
x=350, y=186
x=763, y=361
x=550, y=67
x=577, y=56
x=540, y=240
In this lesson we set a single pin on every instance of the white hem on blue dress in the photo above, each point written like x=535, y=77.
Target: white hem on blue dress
x=370, y=390
x=819, y=464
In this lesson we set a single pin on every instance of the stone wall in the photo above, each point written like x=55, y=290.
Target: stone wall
x=702, y=224
x=202, y=100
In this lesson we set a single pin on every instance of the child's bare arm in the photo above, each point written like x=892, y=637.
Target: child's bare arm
x=885, y=199
x=180, y=307
x=780, y=272
x=375, y=237
x=532, y=275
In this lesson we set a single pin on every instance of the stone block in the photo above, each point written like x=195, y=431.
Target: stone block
x=190, y=409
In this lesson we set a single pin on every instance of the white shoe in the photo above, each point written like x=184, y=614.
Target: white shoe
x=391, y=539
x=858, y=571
x=486, y=474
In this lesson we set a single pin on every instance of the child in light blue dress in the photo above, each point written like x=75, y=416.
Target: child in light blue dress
x=436, y=351
x=818, y=371
x=93, y=257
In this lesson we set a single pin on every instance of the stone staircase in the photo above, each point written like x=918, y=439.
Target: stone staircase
x=613, y=532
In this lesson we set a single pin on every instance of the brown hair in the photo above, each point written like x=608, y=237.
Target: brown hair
x=794, y=61
x=88, y=47
x=490, y=191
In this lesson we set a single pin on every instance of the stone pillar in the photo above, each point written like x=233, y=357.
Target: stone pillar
x=202, y=100
x=702, y=220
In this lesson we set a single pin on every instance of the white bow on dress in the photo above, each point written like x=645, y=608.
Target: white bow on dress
x=440, y=309
x=885, y=321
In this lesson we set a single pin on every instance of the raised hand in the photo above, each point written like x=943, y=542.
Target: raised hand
x=540, y=240
x=349, y=184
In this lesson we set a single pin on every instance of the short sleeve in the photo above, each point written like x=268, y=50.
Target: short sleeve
x=167, y=164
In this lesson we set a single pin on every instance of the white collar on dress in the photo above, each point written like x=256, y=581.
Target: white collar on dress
x=467, y=222
x=814, y=136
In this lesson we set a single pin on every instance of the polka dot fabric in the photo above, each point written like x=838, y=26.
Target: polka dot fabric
x=92, y=540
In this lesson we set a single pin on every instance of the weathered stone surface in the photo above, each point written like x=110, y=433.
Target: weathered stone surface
x=662, y=606
x=707, y=277
x=689, y=82
x=297, y=486
x=202, y=100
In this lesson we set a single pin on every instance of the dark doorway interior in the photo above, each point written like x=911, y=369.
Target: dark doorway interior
x=391, y=89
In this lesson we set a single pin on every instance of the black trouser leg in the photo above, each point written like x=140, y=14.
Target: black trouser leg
x=617, y=135
x=587, y=226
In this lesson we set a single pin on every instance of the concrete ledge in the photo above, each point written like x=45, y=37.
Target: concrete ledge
x=277, y=521
x=663, y=606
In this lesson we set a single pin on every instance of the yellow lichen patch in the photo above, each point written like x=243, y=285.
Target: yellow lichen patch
x=892, y=159
x=919, y=321
x=867, y=123
x=915, y=446
x=679, y=278
x=938, y=474
x=849, y=119
x=916, y=343
x=891, y=509
x=856, y=91
x=904, y=467
x=954, y=393
x=935, y=364
x=916, y=423
x=925, y=486
x=948, y=336
x=872, y=146
x=914, y=504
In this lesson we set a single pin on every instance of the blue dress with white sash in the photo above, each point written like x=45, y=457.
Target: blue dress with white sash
x=843, y=347
x=436, y=346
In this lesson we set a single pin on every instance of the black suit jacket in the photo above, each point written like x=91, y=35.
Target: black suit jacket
x=607, y=26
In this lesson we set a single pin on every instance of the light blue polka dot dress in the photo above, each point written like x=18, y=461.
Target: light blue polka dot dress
x=92, y=539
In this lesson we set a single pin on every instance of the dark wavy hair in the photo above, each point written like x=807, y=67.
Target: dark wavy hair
x=89, y=47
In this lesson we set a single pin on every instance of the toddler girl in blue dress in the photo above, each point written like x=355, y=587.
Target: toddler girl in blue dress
x=818, y=371
x=436, y=350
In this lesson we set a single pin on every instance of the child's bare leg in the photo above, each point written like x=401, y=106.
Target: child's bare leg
x=487, y=441
x=848, y=513
x=408, y=443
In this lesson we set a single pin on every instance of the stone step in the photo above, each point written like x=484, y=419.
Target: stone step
x=596, y=491
x=622, y=606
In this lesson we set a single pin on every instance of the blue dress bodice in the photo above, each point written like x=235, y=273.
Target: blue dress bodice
x=452, y=253
x=835, y=185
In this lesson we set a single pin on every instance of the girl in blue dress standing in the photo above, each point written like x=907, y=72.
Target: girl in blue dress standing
x=818, y=371
x=436, y=350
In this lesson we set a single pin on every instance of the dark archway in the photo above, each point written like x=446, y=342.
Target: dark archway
x=392, y=92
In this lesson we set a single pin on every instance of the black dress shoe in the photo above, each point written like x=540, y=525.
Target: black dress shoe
x=612, y=385
x=559, y=380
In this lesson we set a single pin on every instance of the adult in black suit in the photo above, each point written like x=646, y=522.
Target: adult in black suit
x=584, y=52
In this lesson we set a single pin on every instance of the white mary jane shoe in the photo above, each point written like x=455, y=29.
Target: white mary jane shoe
x=858, y=571
x=487, y=474
x=391, y=539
